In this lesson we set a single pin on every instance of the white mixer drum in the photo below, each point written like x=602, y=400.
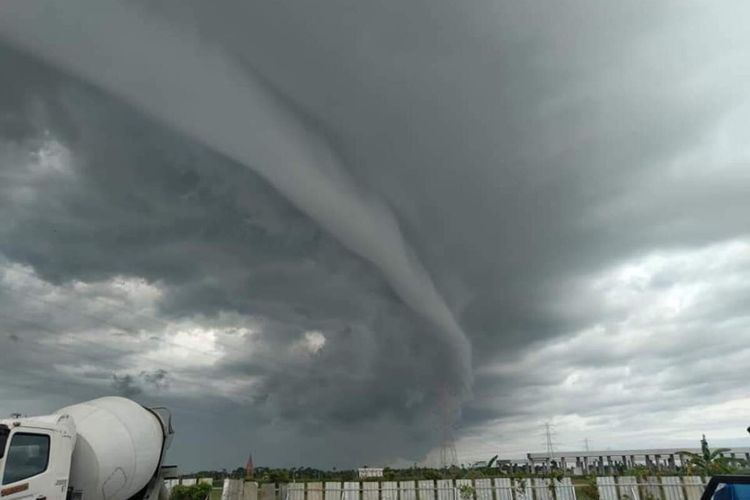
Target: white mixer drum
x=118, y=448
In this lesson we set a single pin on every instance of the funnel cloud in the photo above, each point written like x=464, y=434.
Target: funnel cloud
x=301, y=225
x=248, y=124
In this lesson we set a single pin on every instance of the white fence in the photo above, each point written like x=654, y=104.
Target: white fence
x=609, y=488
x=651, y=488
x=442, y=489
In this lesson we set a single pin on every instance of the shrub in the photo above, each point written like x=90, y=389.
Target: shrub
x=193, y=492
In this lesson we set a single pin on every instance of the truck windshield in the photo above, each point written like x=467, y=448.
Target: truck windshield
x=4, y=431
x=732, y=492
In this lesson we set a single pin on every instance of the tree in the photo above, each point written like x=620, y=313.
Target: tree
x=238, y=473
x=710, y=462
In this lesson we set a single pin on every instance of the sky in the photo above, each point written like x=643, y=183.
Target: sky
x=330, y=233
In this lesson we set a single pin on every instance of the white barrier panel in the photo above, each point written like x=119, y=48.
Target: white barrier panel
x=351, y=491
x=483, y=488
x=445, y=489
x=369, y=490
x=652, y=488
x=267, y=491
x=628, y=488
x=389, y=490
x=407, y=490
x=333, y=491
x=250, y=490
x=503, y=488
x=522, y=489
x=170, y=483
x=295, y=491
x=206, y=480
x=693, y=487
x=315, y=491
x=543, y=489
x=564, y=489
x=426, y=489
x=672, y=488
x=607, y=488
x=188, y=481
x=232, y=489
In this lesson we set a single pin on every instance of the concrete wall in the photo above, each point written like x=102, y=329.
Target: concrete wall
x=610, y=488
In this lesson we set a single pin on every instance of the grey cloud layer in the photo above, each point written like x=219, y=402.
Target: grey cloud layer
x=119, y=197
x=247, y=124
x=511, y=155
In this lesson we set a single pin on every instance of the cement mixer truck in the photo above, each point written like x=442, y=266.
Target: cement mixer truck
x=106, y=449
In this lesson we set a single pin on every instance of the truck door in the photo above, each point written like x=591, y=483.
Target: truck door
x=28, y=472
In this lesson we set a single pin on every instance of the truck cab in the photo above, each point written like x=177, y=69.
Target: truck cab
x=35, y=456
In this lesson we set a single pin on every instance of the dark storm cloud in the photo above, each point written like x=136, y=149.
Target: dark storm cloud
x=572, y=178
x=125, y=385
x=551, y=118
x=129, y=385
x=281, y=148
x=158, y=378
x=132, y=199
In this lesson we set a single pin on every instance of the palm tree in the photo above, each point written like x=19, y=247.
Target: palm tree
x=709, y=462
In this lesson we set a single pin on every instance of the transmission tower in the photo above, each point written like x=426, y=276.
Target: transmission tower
x=586, y=444
x=548, y=441
x=448, y=414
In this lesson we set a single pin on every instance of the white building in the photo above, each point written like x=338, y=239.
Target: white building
x=366, y=472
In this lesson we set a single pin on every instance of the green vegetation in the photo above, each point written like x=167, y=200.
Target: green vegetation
x=710, y=462
x=466, y=491
x=307, y=474
x=215, y=494
x=707, y=463
x=193, y=492
x=588, y=490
